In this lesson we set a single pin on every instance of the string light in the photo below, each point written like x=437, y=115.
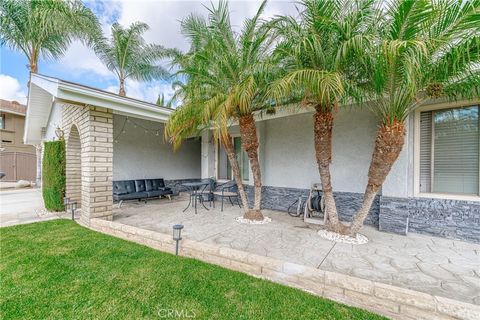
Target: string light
x=155, y=132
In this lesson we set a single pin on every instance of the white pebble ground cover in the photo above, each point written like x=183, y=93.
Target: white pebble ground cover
x=333, y=236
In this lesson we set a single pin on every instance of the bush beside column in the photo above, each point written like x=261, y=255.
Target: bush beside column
x=53, y=175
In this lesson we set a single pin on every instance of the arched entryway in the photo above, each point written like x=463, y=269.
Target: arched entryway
x=74, y=166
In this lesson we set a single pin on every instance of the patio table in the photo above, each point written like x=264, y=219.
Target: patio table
x=193, y=188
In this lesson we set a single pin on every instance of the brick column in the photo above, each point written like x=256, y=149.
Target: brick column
x=95, y=125
x=97, y=165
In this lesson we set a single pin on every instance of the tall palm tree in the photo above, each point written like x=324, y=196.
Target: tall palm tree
x=322, y=53
x=189, y=120
x=128, y=55
x=45, y=28
x=427, y=49
x=228, y=79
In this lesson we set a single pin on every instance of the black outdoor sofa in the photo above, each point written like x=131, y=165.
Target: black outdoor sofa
x=141, y=189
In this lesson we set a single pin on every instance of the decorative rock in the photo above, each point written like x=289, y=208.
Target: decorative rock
x=333, y=236
x=248, y=221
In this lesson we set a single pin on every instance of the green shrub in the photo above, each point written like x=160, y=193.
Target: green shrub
x=53, y=175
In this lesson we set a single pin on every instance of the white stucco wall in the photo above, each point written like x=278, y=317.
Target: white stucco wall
x=290, y=157
x=399, y=182
x=137, y=154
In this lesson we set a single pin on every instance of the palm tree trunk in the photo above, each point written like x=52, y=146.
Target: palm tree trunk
x=121, y=92
x=388, y=145
x=228, y=145
x=248, y=132
x=323, y=127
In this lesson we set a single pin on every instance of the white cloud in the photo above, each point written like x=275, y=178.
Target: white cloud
x=148, y=92
x=163, y=17
x=10, y=89
x=82, y=60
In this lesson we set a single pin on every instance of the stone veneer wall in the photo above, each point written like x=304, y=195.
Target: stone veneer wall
x=438, y=217
x=95, y=129
x=452, y=219
x=278, y=198
x=392, y=301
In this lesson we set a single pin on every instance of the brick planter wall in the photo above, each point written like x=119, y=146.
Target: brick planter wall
x=89, y=148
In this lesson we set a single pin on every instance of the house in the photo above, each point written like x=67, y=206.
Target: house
x=17, y=160
x=433, y=187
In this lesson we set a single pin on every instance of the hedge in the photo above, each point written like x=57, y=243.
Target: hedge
x=53, y=175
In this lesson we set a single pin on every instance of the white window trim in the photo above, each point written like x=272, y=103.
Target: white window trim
x=218, y=146
x=416, y=151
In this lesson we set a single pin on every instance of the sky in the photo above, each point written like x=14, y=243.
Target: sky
x=80, y=65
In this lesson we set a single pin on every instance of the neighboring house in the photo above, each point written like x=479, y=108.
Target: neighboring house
x=433, y=187
x=17, y=160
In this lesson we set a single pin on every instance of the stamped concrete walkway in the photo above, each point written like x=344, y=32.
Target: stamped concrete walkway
x=437, y=266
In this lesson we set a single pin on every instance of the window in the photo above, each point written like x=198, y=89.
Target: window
x=449, y=151
x=2, y=121
x=224, y=170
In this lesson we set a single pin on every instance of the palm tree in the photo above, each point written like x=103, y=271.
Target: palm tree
x=45, y=28
x=323, y=53
x=427, y=49
x=161, y=101
x=189, y=120
x=228, y=78
x=129, y=56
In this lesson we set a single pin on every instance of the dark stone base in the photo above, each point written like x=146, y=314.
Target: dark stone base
x=451, y=219
x=393, y=215
x=278, y=198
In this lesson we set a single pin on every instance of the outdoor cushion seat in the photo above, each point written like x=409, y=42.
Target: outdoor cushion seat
x=139, y=189
x=154, y=184
x=123, y=187
x=140, y=185
x=131, y=196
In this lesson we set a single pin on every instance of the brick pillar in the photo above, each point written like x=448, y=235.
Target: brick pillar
x=97, y=165
x=95, y=126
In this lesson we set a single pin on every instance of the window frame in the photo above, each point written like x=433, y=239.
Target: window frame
x=2, y=115
x=416, y=151
x=217, y=159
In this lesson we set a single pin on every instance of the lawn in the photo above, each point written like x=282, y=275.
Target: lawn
x=60, y=270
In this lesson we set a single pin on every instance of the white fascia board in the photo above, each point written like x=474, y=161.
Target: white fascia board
x=121, y=105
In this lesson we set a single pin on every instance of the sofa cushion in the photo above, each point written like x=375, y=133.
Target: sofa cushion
x=154, y=184
x=140, y=185
x=119, y=187
x=130, y=186
x=130, y=196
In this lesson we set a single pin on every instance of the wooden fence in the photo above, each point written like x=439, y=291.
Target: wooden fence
x=18, y=166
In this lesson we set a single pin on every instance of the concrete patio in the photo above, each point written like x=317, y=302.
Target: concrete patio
x=440, y=267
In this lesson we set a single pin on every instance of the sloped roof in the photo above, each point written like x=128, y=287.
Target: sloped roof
x=12, y=107
x=44, y=91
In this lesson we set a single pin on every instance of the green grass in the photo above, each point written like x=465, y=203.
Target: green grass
x=59, y=270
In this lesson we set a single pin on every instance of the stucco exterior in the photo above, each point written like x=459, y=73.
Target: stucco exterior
x=138, y=154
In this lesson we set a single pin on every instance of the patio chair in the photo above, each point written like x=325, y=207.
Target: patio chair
x=227, y=190
x=206, y=193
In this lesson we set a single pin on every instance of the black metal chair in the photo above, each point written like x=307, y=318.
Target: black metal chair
x=206, y=193
x=227, y=190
